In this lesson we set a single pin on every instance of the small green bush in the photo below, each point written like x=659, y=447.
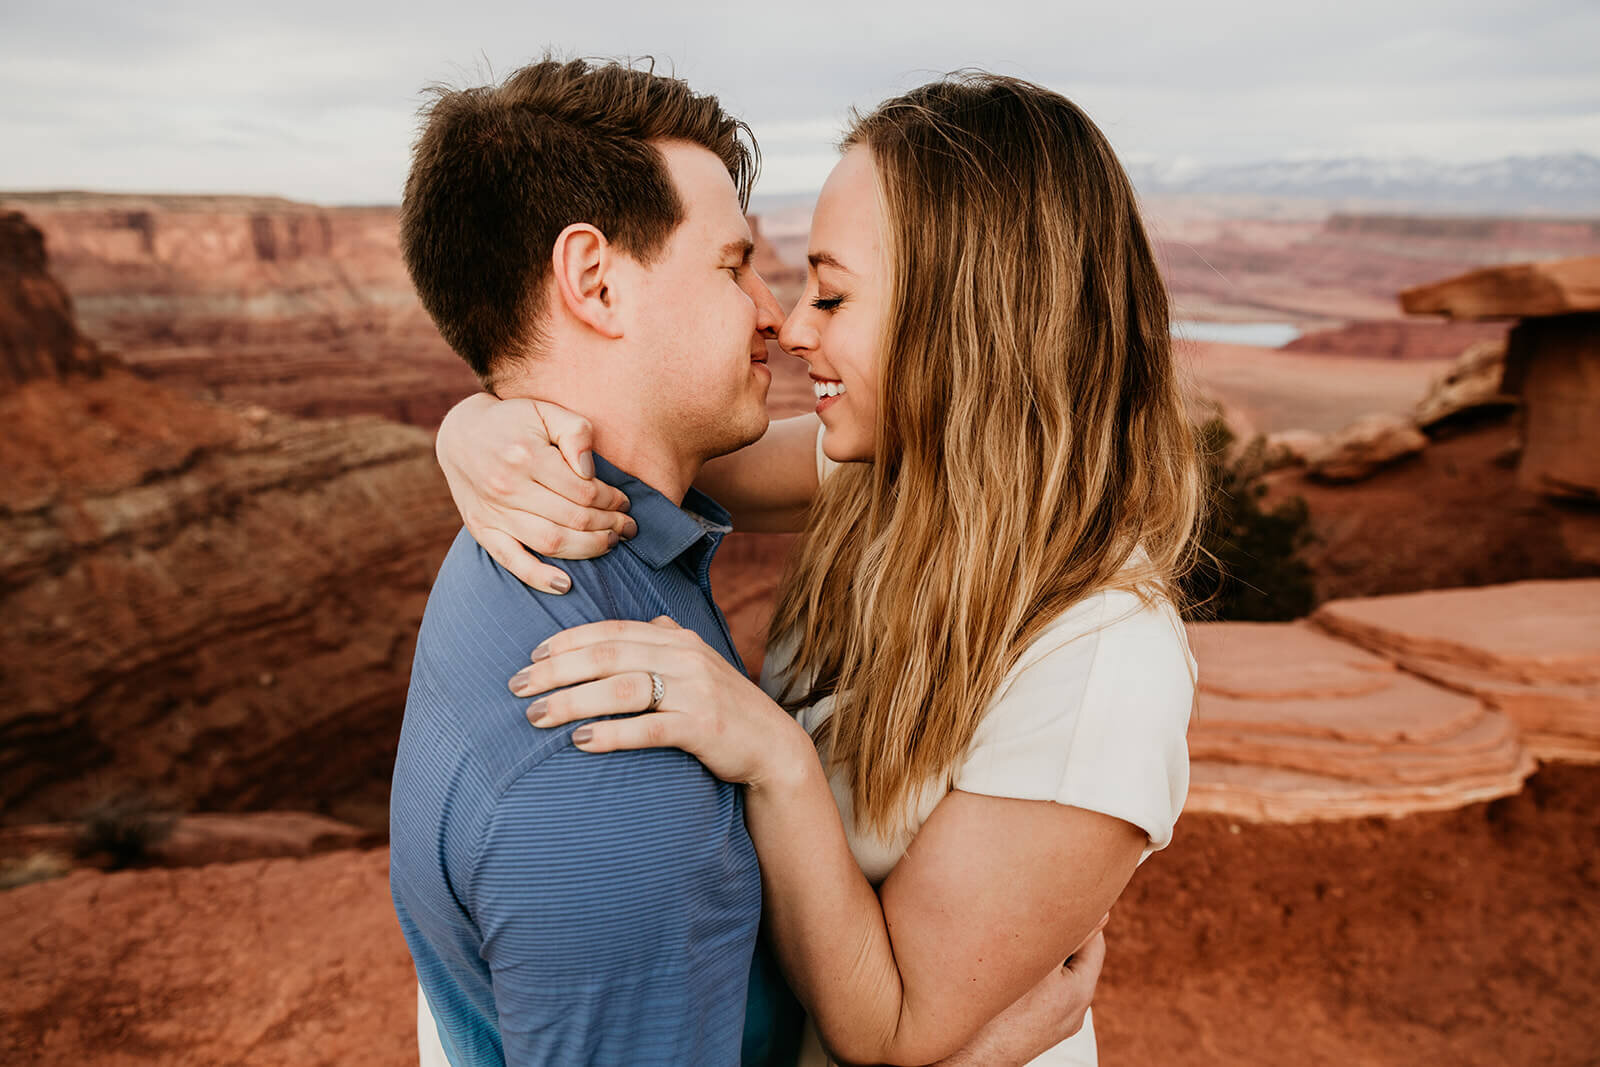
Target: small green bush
x=1249, y=567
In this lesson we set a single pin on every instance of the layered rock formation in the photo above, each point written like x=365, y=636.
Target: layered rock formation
x=1397, y=339
x=1552, y=360
x=300, y=309
x=1454, y=515
x=297, y=308
x=1469, y=388
x=1529, y=649
x=203, y=607
x=1291, y=724
x=1364, y=446
x=1338, y=270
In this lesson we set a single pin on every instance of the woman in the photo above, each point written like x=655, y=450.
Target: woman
x=977, y=634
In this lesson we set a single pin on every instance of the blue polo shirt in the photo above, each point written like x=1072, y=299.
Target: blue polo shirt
x=565, y=907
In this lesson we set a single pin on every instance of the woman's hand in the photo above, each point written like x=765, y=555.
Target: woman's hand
x=522, y=475
x=708, y=708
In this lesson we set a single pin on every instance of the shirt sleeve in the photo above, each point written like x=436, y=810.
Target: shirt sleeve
x=616, y=928
x=1096, y=716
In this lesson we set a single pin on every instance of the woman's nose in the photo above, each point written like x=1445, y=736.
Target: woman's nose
x=798, y=335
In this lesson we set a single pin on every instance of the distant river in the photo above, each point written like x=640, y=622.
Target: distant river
x=1261, y=334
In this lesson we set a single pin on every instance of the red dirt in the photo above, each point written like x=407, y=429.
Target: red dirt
x=1469, y=937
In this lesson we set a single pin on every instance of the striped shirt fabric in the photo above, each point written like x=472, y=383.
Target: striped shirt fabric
x=564, y=907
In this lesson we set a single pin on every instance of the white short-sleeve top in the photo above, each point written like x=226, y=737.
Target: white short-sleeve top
x=1095, y=714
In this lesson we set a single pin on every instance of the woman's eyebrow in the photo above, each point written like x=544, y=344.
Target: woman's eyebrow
x=827, y=259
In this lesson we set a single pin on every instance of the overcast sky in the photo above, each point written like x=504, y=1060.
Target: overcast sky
x=317, y=101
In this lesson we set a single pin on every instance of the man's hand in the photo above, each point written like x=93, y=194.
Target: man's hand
x=1047, y=1014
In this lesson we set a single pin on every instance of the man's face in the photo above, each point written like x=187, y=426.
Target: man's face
x=704, y=315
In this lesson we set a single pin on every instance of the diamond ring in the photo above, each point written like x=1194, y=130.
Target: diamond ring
x=657, y=690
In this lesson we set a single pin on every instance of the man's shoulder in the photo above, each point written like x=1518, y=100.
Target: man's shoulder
x=479, y=628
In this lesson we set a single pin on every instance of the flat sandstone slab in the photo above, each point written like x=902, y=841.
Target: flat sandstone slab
x=1535, y=633
x=1273, y=794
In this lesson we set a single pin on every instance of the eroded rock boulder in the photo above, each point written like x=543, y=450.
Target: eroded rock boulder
x=1364, y=447
x=1471, y=385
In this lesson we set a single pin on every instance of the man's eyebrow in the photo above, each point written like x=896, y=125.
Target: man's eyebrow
x=740, y=249
x=827, y=259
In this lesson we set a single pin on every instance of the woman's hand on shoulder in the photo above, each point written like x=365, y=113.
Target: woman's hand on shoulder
x=708, y=707
x=521, y=473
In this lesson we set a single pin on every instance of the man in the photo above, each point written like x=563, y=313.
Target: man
x=577, y=234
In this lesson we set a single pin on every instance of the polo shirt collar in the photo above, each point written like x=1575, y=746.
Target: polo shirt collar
x=666, y=531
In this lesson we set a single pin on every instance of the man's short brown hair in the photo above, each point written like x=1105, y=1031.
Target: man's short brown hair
x=499, y=171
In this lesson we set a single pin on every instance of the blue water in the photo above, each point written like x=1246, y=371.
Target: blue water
x=1262, y=334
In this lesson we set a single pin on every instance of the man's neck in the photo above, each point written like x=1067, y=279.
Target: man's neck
x=619, y=435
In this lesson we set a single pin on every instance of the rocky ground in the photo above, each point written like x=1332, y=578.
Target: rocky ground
x=1465, y=937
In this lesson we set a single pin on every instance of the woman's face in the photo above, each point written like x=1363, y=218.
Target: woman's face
x=836, y=325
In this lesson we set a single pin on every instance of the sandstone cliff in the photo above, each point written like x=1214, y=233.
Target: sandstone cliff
x=300, y=309
x=202, y=606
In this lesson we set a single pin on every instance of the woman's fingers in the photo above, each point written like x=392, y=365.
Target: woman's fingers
x=535, y=534
x=619, y=694
x=547, y=503
x=659, y=631
x=600, y=660
x=573, y=477
x=509, y=552
x=655, y=730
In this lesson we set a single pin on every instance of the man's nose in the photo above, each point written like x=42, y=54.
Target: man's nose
x=769, y=314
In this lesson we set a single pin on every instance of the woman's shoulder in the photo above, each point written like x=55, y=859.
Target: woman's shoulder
x=1095, y=714
x=1110, y=632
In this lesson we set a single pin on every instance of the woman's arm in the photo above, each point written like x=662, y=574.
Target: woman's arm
x=991, y=896
x=521, y=475
x=768, y=486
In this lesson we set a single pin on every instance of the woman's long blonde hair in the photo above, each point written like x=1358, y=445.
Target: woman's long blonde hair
x=1032, y=432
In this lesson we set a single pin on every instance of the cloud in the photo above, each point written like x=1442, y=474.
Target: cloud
x=318, y=100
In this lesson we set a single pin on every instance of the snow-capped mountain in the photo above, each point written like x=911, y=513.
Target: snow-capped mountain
x=1548, y=184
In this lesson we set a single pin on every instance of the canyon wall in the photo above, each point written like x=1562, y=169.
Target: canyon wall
x=203, y=606
x=301, y=309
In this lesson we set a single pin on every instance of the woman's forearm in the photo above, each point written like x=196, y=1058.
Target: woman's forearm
x=827, y=924
x=767, y=486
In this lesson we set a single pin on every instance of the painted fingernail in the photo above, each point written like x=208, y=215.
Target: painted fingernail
x=541, y=653
x=582, y=734
x=627, y=505
x=630, y=530
x=586, y=464
x=612, y=537
x=520, y=679
x=561, y=583
x=536, y=711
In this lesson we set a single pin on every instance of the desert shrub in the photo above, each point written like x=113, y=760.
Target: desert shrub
x=122, y=831
x=1249, y=566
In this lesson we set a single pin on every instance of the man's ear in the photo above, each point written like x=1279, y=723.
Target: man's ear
x=583, y=262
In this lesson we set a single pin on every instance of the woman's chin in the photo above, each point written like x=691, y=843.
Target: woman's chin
x=841, y=445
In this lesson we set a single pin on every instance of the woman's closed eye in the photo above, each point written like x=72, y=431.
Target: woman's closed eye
x=827, y=303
